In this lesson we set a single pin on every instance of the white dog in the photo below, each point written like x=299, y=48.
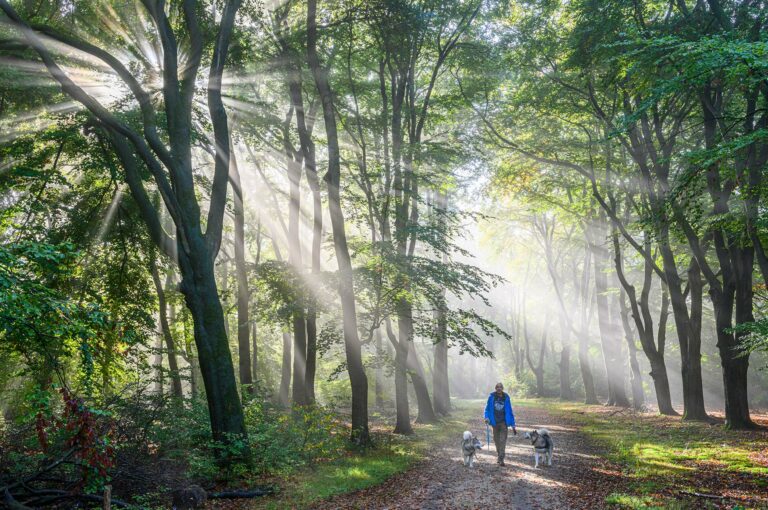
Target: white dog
x=542, y=445
x=469, y=446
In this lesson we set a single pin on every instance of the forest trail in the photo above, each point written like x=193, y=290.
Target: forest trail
x=442, y=481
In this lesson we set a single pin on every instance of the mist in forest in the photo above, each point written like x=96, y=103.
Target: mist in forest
x=512, y=246
x=240, y=240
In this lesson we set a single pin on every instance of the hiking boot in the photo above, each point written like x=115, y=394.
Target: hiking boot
x=501, y=462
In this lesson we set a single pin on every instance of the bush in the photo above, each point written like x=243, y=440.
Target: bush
x=278, y=442
x=523, y=386
x=149, y=444
x=281, y=441
x=63, y=436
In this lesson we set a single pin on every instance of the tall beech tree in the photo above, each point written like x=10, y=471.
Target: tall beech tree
x=141, y=148
x=357, y=377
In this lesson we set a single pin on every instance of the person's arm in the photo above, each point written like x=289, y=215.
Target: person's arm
x=488, y=411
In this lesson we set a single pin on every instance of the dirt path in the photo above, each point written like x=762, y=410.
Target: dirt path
x=442, y=481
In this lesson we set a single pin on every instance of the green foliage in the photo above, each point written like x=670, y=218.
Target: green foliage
x=39, y=322
x=58, y=426
x=278, y=442
x=754, y=338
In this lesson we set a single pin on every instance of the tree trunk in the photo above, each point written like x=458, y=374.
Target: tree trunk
x=299, y=393
x=635, y=377
x=590, y=395
x=198, y=286
x=616, y=392
x=157, y=364
x=737, y=389
x=379, y=383
x=735, y=367
x=254, y=326
x=311, y=362
x=440, y=381
x=402, y=407
x=695, y=409
x=641, y=314
x=285, y=372
x=165, y=328
x=565, y=373
x=693, y=394
x=426, y=412
x=255, y=356
x=241, y=277
x=310, y=166
x=661, y=385
x=538, y=368
x=540, y=390
x=732, y=287
x=357, y=377
x=295, y=260
x=403, y=416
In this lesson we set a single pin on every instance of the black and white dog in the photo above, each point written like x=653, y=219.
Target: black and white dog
x=469, y=446
x=542, y=445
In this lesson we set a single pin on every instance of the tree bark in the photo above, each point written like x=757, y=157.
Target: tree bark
x=616, y=392
x=157, y=364
x=214, y=357
x=241, y=277
x=641, y=313
x=254, y=326
x=426, y=412
x=294, y=162
x=635, y=377
x=285, y=372
x=352, y=346
x=538, y=368
x=590, y=395
x=440, y=381
x=379, y=382
x=165, y=328
x=566, y=393
x=695, y=398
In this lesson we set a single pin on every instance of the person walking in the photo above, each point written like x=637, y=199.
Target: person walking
x=498, y=414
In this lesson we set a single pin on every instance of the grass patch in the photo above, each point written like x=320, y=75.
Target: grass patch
x=361, y=469
x=665, y=457
x=622, y=500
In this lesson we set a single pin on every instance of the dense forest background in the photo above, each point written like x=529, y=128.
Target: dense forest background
x=234, y=232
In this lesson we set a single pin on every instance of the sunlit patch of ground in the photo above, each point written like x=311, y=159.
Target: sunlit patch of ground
x=669, y=463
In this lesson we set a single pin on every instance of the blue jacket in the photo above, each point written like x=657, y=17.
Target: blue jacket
x=509, y=416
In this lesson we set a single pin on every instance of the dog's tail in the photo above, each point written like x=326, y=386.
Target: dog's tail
x=467, y=435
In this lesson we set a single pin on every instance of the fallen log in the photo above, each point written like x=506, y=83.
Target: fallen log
x=40, y=473
x=56, y=495
x=244, y=494
x=10, y=502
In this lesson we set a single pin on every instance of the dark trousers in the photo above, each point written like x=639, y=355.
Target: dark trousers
x=500, y=432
